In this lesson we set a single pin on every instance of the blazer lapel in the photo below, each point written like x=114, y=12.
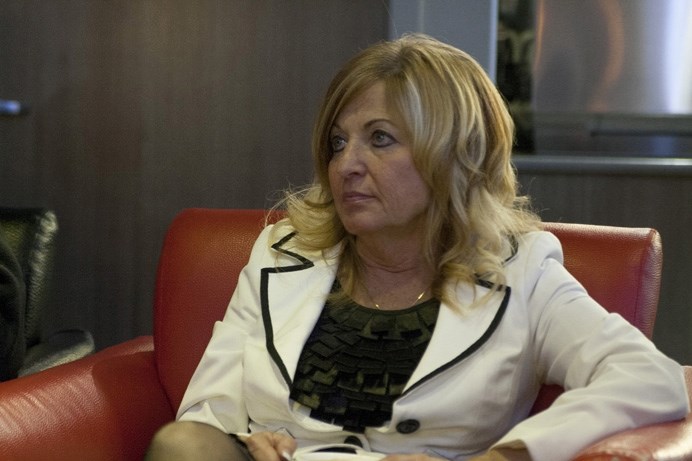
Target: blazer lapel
x=292, y=295
x=459, y=334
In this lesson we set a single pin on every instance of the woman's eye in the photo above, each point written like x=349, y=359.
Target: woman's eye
x=337, y=144
x=382, y=139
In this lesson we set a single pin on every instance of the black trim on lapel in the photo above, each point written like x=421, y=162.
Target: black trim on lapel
x=479, y=342
x=264, y=297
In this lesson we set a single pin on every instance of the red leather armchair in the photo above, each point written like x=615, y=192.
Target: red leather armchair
x=108, y=405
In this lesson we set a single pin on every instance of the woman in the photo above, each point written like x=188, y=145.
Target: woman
x=409, y=304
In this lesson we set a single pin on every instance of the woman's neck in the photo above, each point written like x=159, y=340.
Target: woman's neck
x=394, y=275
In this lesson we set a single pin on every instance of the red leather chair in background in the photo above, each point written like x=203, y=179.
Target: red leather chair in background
x=108, y=405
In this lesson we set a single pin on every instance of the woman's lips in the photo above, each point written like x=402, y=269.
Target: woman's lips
x=351, y=197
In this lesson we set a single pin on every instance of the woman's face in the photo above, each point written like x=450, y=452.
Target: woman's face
x=377, y=189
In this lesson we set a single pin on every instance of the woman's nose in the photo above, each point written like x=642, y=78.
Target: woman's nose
x=350, y=160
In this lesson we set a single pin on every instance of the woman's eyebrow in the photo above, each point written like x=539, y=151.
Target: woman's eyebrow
x=368, y=124
x=377, y=120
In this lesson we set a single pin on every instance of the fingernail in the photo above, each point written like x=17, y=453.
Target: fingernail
x=242, y=436
x=286, y=455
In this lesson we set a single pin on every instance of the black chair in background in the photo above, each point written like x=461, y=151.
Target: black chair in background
x=31, y=234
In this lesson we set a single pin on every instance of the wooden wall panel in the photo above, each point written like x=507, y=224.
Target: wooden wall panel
x=140, y=109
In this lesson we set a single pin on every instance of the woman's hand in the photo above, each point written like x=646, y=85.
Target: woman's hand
x=269, y=446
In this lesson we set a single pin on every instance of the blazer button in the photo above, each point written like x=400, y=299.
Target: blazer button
x=408, y=426
x=353, y=440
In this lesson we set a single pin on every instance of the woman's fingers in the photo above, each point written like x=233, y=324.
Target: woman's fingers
x=270, y=446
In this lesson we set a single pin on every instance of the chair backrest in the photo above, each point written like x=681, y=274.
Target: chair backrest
x=203, y=253
x=205, y=250
x=31, y=233
x=619, y=266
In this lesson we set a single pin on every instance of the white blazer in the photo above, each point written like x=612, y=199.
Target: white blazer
x=477, y=379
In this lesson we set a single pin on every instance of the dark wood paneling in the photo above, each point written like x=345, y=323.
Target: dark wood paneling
x=140, y=109
x=636, y=195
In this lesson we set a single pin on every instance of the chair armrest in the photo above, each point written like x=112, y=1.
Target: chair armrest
x=102, y=407
x=667, y=441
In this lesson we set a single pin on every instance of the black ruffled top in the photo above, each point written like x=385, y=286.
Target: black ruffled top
x=357, y=361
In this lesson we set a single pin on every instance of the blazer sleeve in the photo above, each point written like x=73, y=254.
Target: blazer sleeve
x=215, y=393
x=614, y=377
x=12, y=309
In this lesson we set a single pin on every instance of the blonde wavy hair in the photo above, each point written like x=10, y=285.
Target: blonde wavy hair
x=462, y=136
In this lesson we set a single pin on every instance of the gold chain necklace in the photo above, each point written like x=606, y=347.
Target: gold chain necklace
x=377, y=306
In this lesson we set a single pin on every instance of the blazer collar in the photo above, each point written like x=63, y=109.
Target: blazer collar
x=292, y=297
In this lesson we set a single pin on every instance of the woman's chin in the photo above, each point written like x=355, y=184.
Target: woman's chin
x=360, y=227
